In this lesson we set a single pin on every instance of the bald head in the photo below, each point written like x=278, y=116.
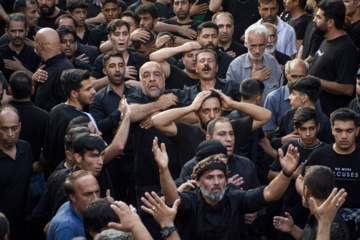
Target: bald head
x=152, y=79
x=47, y=43
x=295, y=69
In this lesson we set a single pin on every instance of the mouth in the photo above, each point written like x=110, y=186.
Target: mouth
x=117, y=76
x=344, y=142
x=122, y=45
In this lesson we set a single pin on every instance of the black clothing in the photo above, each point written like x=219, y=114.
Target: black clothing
x=178, y=79
x=14, y=187
x=281, y=58
x=85, y=39
x=199, y=220
x=193, y=25
x=286, y=127
x=54, y=196
x=312, y=41
x=98, y=35
x=29, y=59
x=93, y=9
x=228, y=87
x=245, y=13
x=338, y=228
x=31, y=35
x=346, y=169
x=335, y=61
x=300, y=25
x=236, y=47
x=90, y=51
x=49, y=22
x=354, y=34
x=162, y=8
x=354, y=105
x=51, y=93
x=60, y=116
x=34, y=122
x=135, y=60
x=81, y=65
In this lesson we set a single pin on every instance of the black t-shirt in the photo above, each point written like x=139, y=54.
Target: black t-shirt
x=51, y=93
x=281, y=58
x=29, y=59
x=60, y=116
x=335, y=61
x=49, y=22
x=354, y=105
x=312, y=41
x=236, y=47
x=31, y=35
x=178, y=79
x=98, y=35
x=135, y=60
x=81, y=65
x=346, y=169
x=300, y=25
x=286, y=127
x=85, y=39
x=90, y=51
x=354, y=34
x=193, y=25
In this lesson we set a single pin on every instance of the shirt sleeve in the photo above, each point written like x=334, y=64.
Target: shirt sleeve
x=96, y=69
x=271, y=104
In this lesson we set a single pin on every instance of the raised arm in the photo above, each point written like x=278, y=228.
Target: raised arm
x=167, y=183
x=184, y=30
x=164, y=122
x=278, y=186
x=215, y=5
x=260, y=115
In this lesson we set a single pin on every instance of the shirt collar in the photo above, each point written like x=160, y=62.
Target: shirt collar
x=286, y=93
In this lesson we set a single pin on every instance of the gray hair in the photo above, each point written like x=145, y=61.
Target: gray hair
x=112, y=234
x=223, y=13
x=257, y=30
x=270, y=25
x=295, y=61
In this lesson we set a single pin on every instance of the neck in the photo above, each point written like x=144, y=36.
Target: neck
x=341, y=151
x=55, y=13
x=119, y=89
x=309, y=104
x=9, y=151
x=356, y=16
x=22, y=100
x=125, y=54
x=50, y=55
x=256, y=62
x=183, y=21
x=16, y=49
x=80, y=29
x=191, y=74
x=208, y=201
x=309, y=145
x=206, y=85
x=225, y=45
x=334, y=33
x=76, y=209
x=74, y=103
x=298, y=12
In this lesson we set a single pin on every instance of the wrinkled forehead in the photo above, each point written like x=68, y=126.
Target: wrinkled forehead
x=150, y=67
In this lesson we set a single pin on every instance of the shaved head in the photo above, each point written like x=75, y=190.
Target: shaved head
x=47, y=43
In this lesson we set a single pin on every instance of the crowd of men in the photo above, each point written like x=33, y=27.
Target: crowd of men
x=181, y=119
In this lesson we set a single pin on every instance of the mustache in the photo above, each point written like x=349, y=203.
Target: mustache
x=17, y=38
x=153, y=85
x=44, y=5
x=270, y=45
x=210, y=44
x=206, y=68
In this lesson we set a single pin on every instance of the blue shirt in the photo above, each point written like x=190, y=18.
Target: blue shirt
x=66, y=224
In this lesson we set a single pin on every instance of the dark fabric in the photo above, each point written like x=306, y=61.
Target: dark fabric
x=60, y=116
x=49, y=22
x=98, y=35
x=162, y=8
x=208, y=148
x=354, y=34
x=354, y=105
x=178, y=79
x=286, y=127
x=86, y=36
x=312, y=41
x=90, y=51
x=281, y=58
x=300, y=25
x=193, y=25
x=93, y=9
x=236, y=47
x=346, y=169
x=29, y=59
x=34, y=122
x=81, y=65
x=14, y=186
x=51, y=93
x=198, y=220
x=135, y=60
x=31, y=35
x=335, y=61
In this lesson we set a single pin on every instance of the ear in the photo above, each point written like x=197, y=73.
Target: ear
x=258, y=99
x=109, y=38
x=10, y=91
x=27, y=31
x=198, y=183
x=93, y=233
x=208, y=137
x=69, y=155
x=155, y=21
x=357, y=130
x=318, y=127
x=304, y=98
x=73, y=94
x=295, y=129
x=19, y=126
x=72, y=198
x=7, y=31
x=307, y=192
x=330, y=23
x=56, y=2
x=104, y=71
x=217, y=67
x=78, y=158
x=120, y=9
x=32, y=90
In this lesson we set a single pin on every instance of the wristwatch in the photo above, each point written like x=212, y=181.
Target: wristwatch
x=166, y=231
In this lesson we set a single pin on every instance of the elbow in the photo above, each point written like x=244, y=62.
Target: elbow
x=267, y=115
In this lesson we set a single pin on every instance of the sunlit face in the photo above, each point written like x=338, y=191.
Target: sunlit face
x=80, y=15
x=181, y=9
x=212, y=185
x=131, y=22
x=307, y=132
x=67, y=22
x=115, y=69
x=296, y=99
x=31, y=14
x=86, y=93
x=91, y=161
x=9, y=128
x=289, y=5
x=68, y=45
x=146, y=21
x=152, y=80
x=86, y=190
x=120, y=39
x=17, y=33
x=351, y=6
x=206, y=66
x=320, y=24
x=256, y=46
x=268, y=11
x=47, y=7
x=189, y=61
x=209, y=110
x=145, y=50
x=224, y=133
x=226, y=28
x=296, y=71
x=272, y=39
x=209, y=38
x=344, y=133
x=111, y=11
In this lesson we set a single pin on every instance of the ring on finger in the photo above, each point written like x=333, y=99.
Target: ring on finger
x=153, y=208
x=337, y=204
x=39, y=79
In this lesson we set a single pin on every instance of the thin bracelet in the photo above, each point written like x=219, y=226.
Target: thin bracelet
x=286, y=174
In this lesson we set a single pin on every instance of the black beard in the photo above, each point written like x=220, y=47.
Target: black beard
x=318, y=31
x=50, y=11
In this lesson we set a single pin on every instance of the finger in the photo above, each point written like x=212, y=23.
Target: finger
x=42, y=67
x=151, y=199
x=114, y=225
x=176, y=204
x=108, y=193
x=146, y=202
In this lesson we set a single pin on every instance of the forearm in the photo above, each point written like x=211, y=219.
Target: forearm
x=299, y=185
x=323, y=232
x=118, y=144
x=99, y=19
x=168, y=186
x=165, y=53
x=169, y=116
x=141, y=111
x=180, y=41
x=215, y=5
x=106, y=47
x=174, y=236
x=295, y=232
x=337, y=88
x=3, y=14
x=140, y=232
x=259, y=114
x=276, y=188
x=164, y=27
x=266, y=146
x=100, y=83
x=272, y=174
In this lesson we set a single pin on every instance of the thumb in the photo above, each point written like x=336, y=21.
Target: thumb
x=288, y=215
x=42, y=66
x=254, y=68
x=15, y=58
x=196, y=2
x=108, y=193
x=312, y=204
x=176, y=204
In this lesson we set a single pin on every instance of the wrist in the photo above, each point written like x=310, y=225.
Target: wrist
x=286, y=174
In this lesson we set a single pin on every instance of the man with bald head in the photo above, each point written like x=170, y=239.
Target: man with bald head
x=15, y=172
x=47, y=78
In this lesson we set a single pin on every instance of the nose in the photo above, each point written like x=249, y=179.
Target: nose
x=142, y=23
x=212, y=115
x=307, y=132
x=37, y=15
x=216, y=180
x=42, y=2
x=82, y=14
x=228, y=138
x=343, y=134
x=94, y=196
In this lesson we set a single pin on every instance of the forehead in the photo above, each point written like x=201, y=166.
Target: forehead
x=115, y=60
x=128, y=19
x=79, y=9
x=68, y=36
x=205, y=55
x=178, y=1
x=212, y=102
x=145, y=15
x=271, y=4
x=214, y=172
x=297, y=68
x=308, y=123
x=16, y=24
x=344, y=124
x=86, y=184
x=271, y=30
x=150, y=67
x=256, y=38
x=110, y=5
x=223, y=126
x=208, y=31
x=66, y=21
x=9, y=118
x=192, y=52
x=122, y=28
x=320, y=13
x=223, y=19
x=86, y=83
